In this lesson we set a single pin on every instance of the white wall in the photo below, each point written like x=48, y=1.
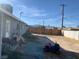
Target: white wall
x=23, y=28
x=13, y=25
x=72, y=34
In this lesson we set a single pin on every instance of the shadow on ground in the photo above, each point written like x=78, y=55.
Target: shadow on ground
x=34, y=50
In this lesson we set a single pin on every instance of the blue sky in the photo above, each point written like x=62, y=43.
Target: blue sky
x=49, y=11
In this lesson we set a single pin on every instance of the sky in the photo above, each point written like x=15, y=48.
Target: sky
x=35, y=12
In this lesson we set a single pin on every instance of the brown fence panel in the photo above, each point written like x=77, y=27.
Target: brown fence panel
x=45, y=31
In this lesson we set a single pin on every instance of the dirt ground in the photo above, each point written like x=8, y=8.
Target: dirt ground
x=69, y=46
x=66, y=43
x=34, y=50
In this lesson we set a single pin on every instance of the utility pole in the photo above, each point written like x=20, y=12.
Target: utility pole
x=62, y=17
x=43, y=22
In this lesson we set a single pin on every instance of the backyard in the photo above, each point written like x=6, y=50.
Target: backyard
x=33, y=49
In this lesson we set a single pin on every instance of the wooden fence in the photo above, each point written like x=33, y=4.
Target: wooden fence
x=45, y=31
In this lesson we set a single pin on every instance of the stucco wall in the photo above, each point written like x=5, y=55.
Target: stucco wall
x=13, y=25
x=2, y=23
x=23, y=28
x=72, y=34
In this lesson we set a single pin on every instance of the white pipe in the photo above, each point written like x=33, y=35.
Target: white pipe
x=1, y=34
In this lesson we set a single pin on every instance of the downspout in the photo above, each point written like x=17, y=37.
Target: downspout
x=1, y=34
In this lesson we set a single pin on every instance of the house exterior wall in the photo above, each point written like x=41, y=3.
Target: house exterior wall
x=13, y=25
x=2, y=23
x=8, y=23
x=6, y=26
x=23, y=28
x=5, y=19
